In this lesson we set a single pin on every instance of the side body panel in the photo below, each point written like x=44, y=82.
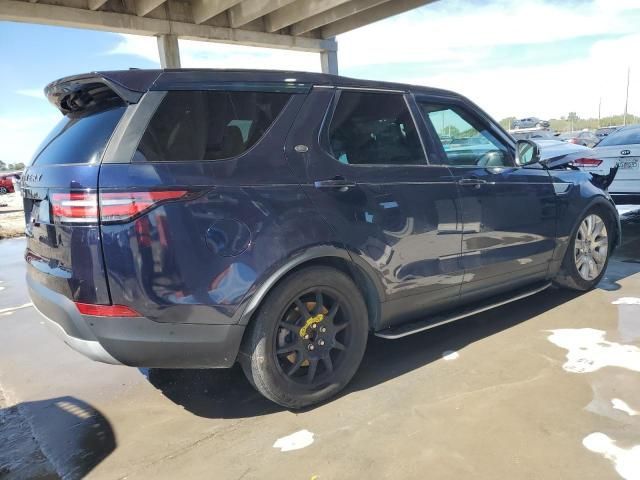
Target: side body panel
x=508, y=212
x=400, y=220
x=197, y=260
x=509, y=227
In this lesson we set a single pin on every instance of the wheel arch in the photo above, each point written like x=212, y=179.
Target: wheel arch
x=334, y=257
x=607, y=206
x=599, y=201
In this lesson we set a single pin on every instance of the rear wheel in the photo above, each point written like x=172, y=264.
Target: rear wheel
x=307, y=339
x=3, y=190
x=587, y=255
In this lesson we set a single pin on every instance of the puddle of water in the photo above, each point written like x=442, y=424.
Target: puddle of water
x=627, y=301
x=295, y=441
x=10, y=310
x=622, y=405
x=450, y=355
x=626, y=461
x=624, y=209
x=588, y=351
x=628, y=322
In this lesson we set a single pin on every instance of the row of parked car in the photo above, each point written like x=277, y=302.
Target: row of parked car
x=600, y=151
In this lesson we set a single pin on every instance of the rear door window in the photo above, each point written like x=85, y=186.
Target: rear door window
x=374, y=129
x=79, y=137
x=208, y=125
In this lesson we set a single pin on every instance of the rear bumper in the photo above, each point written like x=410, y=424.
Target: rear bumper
x=138, y=341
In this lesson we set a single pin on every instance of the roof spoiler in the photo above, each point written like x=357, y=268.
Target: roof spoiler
x=81, y=92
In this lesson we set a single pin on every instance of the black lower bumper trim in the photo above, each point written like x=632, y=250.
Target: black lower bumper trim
x=138, y=341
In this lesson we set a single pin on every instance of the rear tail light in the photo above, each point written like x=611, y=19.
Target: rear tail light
x=113, y=206
x=119, y=206
x=587, y=162
x=75, y=207
x=106, y=310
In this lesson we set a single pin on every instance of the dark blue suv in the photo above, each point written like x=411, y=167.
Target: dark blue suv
x=195, y=218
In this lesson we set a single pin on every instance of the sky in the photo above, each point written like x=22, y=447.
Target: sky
x=542, y=58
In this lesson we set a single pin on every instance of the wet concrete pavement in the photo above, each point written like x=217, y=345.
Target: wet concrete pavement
x=525, y=391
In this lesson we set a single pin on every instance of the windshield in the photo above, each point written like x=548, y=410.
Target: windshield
x=625, y=136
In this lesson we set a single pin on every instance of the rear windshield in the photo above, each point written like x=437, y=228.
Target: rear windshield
x=629, y=136
x=209, y=125
x=79, y=137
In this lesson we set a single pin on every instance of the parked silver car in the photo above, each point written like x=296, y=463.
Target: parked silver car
x=584, y=138
x=530, y=122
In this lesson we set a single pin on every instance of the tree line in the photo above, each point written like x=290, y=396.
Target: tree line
x=572, y=122
x=10, y=167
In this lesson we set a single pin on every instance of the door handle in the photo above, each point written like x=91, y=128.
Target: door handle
x=339, y=183
x=471, y=182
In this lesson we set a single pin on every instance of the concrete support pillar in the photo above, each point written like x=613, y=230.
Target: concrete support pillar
x=169, y=51
x=329, y=61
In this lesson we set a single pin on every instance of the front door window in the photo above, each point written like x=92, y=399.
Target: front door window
x=465, y=142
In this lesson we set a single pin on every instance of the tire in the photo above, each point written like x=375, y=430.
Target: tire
x=314, y=313
x=582, y=247
x=3, y=190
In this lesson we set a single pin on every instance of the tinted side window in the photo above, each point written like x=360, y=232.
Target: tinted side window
x=465, y=141
x=209, y=125
x=374, y=129
x=79, y=137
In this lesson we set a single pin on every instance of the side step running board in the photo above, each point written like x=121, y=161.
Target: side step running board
x=435, y=321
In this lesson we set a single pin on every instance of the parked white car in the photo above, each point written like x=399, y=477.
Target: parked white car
x=621, y=147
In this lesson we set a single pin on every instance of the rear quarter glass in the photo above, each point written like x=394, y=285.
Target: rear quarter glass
x=208, y=125
x=79, y=137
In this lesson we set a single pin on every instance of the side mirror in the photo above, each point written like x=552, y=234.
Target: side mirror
x=527, y=152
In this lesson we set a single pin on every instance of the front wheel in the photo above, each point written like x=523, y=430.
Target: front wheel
x=587, y=256
x=307, y=339
x=3, y=190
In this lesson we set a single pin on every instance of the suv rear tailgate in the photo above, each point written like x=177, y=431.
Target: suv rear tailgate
x=64, y=252
x=63, y=258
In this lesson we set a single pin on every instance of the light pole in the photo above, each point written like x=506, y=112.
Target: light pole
x=626, y=100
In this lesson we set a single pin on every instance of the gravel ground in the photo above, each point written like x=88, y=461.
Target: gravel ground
x=11, y=216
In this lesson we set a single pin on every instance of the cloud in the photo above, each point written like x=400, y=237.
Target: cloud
x=32, y=92
x=195, y=54
x=21, y=135
x=480, y=50
x=556, y=89
x=465, y=30
x=473, y=48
